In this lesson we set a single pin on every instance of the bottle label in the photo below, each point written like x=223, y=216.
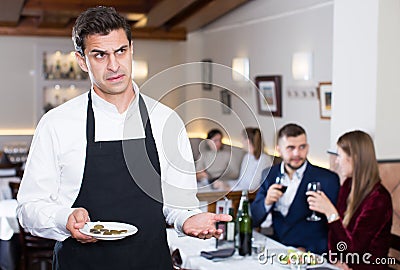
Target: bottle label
x=230, y=231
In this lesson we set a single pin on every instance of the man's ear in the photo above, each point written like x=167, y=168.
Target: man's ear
x=81, y=61
x=278, y=149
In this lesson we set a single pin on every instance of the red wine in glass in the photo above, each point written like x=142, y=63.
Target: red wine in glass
x=279, y=180
x=314, y=186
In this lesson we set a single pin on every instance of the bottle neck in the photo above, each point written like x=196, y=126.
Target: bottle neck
x=245, y=209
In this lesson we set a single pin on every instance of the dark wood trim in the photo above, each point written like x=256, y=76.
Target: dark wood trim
x=178, y=34
x=388, y=161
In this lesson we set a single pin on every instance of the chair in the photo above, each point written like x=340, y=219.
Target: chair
x=394, y=251
x=36, y=252
x=177, y=260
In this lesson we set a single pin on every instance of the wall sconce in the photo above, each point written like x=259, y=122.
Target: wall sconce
x=302, y=66
x=240, y=69
x=139, y=69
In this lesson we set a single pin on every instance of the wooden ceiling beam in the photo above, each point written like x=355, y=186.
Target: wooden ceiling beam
x=212, y=11
x=178, y=34
x=123, y=6
x=166, y=10
x=52, y=20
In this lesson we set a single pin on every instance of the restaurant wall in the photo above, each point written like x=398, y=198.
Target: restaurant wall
x=20, y=98
x=268, y=33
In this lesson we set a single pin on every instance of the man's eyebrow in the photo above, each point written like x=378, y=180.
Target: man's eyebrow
x=97, y=51
x=101, y=51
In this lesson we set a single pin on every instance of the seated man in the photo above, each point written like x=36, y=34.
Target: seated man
x=289, y=207
x=214, y=161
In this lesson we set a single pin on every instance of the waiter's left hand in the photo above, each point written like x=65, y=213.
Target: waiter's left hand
x=76, y=221
x=203, y=225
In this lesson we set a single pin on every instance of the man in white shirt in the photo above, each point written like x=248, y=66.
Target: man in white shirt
x=107, y=155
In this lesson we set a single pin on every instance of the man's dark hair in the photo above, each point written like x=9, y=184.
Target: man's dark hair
x=98, y=20
x=291, y=130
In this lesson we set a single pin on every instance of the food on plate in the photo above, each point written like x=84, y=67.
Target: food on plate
x=100, y=229
x=98, y=226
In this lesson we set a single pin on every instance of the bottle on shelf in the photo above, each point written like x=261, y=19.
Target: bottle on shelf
x=45, y=69
x=57, y=72
x=244, y=226
x=71, y=71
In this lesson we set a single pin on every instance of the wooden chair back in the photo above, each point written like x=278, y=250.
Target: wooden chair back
x=394, y=251
x=36, y=252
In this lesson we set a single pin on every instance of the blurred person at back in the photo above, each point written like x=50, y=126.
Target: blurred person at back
x=362, y=217
x=214, y=160
x=290, y=208
x=253, y=163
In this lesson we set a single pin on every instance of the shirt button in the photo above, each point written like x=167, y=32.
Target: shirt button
x=53, y=197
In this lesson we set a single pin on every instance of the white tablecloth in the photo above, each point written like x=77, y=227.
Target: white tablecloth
x=190, y=249
x=8, y=221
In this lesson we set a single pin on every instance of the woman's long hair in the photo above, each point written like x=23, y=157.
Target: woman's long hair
x=359, y=146
x=255, y=138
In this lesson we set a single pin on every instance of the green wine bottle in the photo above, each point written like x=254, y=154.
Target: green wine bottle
x=245, y=230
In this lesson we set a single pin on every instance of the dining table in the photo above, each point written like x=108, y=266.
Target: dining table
x=190, y=250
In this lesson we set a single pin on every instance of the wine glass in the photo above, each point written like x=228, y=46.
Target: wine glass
x=279, y=180
x=314, y=186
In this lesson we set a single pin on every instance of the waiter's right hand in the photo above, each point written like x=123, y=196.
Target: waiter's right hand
x=273, y=194
x=76, y=221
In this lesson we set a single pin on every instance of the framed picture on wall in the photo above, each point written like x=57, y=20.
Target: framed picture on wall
x=269, y=95
x=325, y=99
x=226, y=103
x=206, y=74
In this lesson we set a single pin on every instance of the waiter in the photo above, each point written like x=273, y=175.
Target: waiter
x=97, y=157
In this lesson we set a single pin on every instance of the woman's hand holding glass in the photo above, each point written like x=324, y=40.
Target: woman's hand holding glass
x=315, y=187
x=319, y=202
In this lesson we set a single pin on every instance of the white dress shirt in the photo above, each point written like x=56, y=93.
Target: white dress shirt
x=54, y=169
x=284, y=203
x=250, y=172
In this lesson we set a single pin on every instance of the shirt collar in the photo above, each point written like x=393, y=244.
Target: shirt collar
x=299, y=172
x=102, y=104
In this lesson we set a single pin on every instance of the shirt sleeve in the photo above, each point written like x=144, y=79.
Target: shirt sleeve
x=39, y=208
x=178, y=174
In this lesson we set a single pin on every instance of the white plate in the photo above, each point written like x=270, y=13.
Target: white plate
x=319, y=259
x=111, y=226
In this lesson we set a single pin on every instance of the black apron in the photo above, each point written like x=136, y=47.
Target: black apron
x=110, y=193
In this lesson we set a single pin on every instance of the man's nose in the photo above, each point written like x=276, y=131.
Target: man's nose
x=113, y=63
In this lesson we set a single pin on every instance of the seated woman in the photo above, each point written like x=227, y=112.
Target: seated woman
x=362, y=218
x=253, y=163
x=214, y=160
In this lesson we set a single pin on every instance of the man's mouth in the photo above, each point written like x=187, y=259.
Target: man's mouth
x=115, y=78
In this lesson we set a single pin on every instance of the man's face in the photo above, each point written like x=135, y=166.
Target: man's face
x=108, y=60
x=215, y=143
x=293, y=150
